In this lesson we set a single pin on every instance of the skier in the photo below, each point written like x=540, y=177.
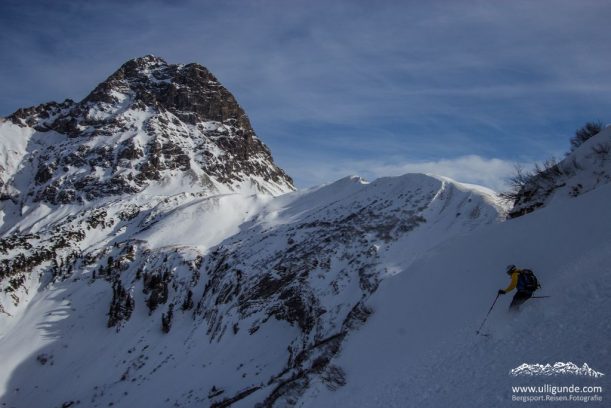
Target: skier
x=526, y=283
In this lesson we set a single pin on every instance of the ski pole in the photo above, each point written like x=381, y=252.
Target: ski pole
x=488, y=314
x=539, y=297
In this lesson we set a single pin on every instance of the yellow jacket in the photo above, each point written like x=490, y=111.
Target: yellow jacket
x=514, y=280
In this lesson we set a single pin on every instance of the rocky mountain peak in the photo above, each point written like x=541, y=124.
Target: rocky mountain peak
x=146, y=62
x=148, y=122
x=188, y=90
x=148, y=65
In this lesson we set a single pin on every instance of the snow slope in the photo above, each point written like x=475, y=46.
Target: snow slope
x=420, y=349
x=351, y=294
x=276, y=284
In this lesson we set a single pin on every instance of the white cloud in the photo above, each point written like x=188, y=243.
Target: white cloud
x=488, y=172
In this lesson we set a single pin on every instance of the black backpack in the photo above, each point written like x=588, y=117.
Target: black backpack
x=527, y=281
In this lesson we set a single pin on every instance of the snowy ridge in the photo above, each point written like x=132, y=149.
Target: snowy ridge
x=422, y=333
x=295, y=271
x=558, y=368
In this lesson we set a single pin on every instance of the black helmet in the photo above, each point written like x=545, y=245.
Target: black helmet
x=510, y=269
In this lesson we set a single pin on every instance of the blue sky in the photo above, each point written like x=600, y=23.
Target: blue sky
x=460, y=88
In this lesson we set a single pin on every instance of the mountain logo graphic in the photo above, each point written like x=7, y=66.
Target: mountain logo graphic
x=558, y=368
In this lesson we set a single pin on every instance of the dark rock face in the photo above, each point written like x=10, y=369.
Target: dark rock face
x=148, y=121
x=190, y=91
x=47, y=111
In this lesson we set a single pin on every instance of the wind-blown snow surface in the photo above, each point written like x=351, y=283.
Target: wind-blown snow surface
x=283, y=280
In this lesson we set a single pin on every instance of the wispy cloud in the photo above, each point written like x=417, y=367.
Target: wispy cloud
x=489, y=172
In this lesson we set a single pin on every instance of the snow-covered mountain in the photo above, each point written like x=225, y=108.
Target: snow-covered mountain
x=255, y=316
x=142, y=220
x=152, y=254
x=150, y=127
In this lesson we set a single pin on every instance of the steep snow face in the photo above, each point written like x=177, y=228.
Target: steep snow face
x=419, y=348
x=256, y=294
x=151, y=126
x=581, y=171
